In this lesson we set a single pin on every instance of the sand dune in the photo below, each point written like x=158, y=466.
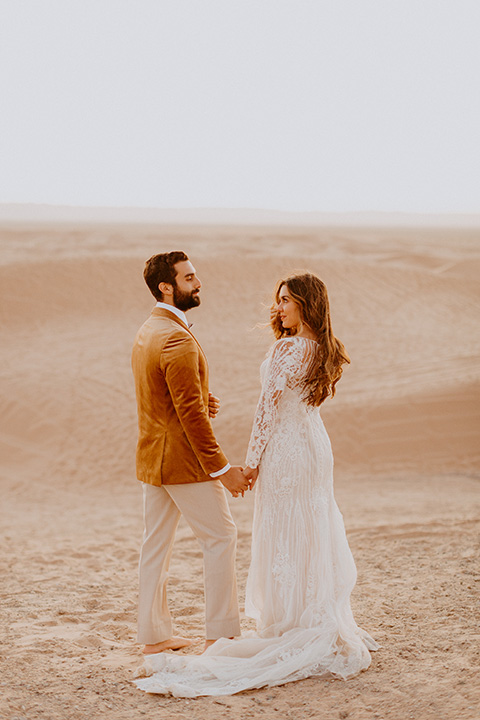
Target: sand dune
x=404, y=427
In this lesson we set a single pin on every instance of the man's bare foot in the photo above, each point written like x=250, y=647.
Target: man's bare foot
x=173, y=643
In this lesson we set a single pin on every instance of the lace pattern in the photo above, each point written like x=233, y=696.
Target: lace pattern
x=283, y=369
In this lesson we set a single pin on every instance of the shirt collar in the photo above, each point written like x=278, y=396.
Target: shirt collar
x=179, y=313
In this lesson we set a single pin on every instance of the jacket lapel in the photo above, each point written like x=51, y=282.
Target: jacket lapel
x=157, y=311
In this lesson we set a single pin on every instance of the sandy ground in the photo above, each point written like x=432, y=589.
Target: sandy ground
x=404, y=428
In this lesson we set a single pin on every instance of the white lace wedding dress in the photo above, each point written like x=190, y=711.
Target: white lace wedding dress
x=302, y=571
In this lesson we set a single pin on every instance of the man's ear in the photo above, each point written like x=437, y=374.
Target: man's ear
x=165, y=288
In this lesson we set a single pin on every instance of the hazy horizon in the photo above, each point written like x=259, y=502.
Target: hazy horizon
x=31, y=214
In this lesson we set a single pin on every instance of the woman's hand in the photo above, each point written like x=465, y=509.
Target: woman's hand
x=252, y=475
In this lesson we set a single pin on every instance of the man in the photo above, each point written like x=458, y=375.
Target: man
x=179, y=459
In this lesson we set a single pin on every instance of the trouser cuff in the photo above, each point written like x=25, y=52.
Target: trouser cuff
x=222, y=628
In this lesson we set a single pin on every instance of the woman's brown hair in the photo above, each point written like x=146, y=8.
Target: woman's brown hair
x=325, y=368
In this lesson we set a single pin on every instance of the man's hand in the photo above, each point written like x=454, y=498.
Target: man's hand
x=213, y=405
x=235, y=481
x=252, y=475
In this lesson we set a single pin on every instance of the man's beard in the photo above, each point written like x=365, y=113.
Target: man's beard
x=185, y=300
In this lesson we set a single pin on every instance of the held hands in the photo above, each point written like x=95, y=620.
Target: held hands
x=235, y=481
x=213, y=405
x=252, y=475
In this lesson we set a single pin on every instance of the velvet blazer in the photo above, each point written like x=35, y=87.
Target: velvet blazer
x=176, y=443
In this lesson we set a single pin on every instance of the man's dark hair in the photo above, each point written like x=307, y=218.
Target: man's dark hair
x=160, y=268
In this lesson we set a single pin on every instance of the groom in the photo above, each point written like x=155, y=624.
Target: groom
x=179, y=461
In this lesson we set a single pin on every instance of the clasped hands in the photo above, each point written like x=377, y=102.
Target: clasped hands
x=237, y=480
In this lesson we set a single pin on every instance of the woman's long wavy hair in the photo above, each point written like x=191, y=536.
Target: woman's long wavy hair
x=325, y=369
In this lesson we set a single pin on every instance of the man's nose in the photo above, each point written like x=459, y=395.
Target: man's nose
x=198, y=284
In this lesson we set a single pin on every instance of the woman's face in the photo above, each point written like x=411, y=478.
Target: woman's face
x=288, y=310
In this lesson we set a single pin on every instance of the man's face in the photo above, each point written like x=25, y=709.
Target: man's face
x=186, y=291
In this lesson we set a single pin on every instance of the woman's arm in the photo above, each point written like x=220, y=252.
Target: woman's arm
x=282, y=362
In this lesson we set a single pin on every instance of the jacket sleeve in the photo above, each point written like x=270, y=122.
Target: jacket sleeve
x=180, y=365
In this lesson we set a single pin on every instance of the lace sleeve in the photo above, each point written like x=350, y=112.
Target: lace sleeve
x=282, y=363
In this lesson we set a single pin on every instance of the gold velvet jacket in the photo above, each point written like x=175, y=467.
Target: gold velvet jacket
x=176, y=443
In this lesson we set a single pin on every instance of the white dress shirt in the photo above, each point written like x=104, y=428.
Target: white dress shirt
x=176, y=311
x=180, y=314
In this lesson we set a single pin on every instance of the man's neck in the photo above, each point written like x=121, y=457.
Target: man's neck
x=176, y=311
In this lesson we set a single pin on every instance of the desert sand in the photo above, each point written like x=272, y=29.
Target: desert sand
x=404, y=428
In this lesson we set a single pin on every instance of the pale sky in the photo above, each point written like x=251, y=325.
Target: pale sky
x=302, y=105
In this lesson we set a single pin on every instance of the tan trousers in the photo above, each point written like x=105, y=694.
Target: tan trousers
x=205, y=508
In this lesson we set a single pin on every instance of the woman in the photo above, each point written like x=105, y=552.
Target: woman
x=302, y=571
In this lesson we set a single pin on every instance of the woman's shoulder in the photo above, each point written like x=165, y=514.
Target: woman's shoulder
x=282, y=344
x=291, y=345
x=293, y=341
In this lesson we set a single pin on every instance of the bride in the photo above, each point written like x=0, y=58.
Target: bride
x=302, y=571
